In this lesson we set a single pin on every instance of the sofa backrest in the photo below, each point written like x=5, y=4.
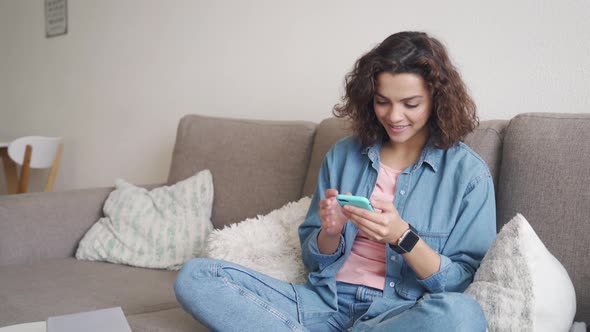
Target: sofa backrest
x=545, y=176
x=257, y=166
x=328, y=132
x=486, y=140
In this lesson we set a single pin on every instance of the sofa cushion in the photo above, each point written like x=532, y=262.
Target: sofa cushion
x=268, y=244
x=329, y=131
x=486, y=140
x=545, y=175
x=33, y=292
x=512, y=283
x=161, y=228
x=257, y=166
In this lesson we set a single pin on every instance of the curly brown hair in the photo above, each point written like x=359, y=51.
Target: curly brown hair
x=453, y=110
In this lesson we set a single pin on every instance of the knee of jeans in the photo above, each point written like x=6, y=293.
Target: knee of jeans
x=461, y=312
x=185, y=277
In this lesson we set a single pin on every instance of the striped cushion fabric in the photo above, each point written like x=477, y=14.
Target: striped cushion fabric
x=161, y=228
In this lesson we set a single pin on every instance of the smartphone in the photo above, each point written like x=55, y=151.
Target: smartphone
x=358, y=201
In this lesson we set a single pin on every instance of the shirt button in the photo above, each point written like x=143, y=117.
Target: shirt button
x=392, y=284
x=366, y=318
x=392, y=258
x=402, y=192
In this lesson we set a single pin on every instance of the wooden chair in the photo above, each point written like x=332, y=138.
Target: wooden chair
x=36, y=152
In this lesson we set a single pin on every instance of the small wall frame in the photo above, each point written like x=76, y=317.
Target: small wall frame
x=56, y=18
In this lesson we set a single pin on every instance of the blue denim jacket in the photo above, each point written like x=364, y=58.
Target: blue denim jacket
x=447, y=195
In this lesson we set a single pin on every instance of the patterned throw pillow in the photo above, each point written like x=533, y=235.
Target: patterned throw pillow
x=521, y=286
x=161, y=228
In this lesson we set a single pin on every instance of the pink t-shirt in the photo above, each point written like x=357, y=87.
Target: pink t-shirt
x=366, y=263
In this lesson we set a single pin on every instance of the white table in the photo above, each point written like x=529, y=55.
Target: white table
x=26, y=327
x=101, y=320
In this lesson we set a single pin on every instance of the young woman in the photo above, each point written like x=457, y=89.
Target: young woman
x=404, y=266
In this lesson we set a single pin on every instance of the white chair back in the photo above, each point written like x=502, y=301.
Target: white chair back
x=44, y=150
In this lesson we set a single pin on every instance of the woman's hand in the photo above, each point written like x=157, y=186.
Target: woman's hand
x=332, y=215
x=386, y=226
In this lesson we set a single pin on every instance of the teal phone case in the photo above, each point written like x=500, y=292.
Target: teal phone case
x=358, y=201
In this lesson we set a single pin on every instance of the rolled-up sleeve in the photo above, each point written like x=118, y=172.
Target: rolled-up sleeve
x=473, y=234
x=436, y=282
x=322, y=260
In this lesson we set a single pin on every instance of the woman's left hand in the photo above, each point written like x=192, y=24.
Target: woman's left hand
x=386, y=226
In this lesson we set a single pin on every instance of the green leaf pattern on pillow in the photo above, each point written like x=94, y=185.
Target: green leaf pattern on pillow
x=161, y=228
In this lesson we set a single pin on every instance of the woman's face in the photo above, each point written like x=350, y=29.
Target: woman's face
x=403, y=106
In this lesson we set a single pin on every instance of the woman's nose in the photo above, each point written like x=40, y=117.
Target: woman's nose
x=396, y=113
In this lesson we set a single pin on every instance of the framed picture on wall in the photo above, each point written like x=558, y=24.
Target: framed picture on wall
x=56, y=17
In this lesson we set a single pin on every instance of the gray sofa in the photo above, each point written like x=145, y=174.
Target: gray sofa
x=540, y=163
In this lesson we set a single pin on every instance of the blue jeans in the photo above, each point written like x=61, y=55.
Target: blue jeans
x=229, y=297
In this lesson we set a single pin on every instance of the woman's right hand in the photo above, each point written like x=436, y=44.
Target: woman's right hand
x=332, y=215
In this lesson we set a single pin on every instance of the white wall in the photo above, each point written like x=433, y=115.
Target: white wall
x=116, y=85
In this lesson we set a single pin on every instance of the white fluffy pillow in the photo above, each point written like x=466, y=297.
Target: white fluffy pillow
x=521, y=286
x=161, y=228
x=267, y=244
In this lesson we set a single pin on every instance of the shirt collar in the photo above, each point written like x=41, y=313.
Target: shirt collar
x=430, y=155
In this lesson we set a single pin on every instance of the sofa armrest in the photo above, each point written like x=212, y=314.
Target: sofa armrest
x=37, y=226
x=46, y=225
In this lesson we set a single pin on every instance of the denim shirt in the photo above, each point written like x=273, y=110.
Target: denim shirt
x=447, y=196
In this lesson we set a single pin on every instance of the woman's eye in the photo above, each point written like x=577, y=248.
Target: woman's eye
x=412, y=106
x=380, y=102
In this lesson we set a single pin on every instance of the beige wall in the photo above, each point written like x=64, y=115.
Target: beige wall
x=116, y=85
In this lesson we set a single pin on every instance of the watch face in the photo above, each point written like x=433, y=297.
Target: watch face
x=409, y=241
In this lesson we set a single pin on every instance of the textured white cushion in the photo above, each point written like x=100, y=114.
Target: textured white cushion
x=161, y=228
x=521, y=286
x=267, y=244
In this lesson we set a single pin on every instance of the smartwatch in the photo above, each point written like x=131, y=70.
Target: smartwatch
x=407, y=241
